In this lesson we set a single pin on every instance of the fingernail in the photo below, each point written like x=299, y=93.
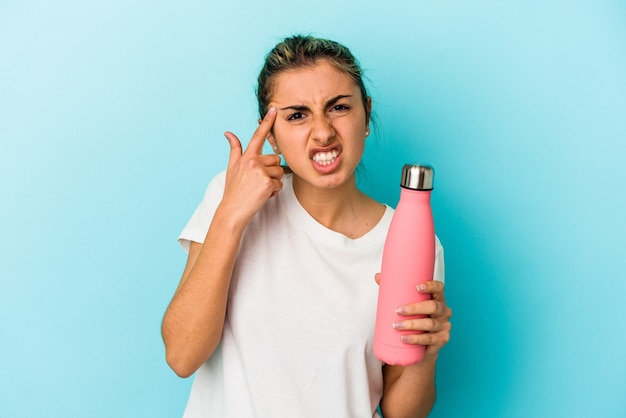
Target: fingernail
x=405, y=338
x=421, y=287
x=272, y=110
x=400, y=310
x=398, y=325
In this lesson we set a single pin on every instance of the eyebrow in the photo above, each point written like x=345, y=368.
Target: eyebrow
x=328, y=103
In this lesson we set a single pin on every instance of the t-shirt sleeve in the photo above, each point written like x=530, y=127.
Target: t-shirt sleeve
x=199, y=223
x=439, y=273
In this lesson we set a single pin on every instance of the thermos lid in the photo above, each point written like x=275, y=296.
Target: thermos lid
x=417, y=177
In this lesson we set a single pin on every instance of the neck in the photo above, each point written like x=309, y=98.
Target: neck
x=344, y=209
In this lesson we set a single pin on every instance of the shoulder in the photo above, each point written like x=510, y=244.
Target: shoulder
x=217, y=183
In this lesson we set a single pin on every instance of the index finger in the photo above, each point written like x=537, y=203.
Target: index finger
x=260, y=135
x=431, y=286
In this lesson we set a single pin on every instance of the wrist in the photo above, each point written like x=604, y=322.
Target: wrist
x=229, y=219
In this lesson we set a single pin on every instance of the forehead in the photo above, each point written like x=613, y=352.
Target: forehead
x=316, y=82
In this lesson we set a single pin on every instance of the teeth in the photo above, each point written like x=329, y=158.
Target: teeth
x=325, y=158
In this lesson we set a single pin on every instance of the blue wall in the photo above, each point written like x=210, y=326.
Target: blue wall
x=111, y=121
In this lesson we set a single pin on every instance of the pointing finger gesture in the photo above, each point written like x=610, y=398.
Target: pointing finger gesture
x=252, y=177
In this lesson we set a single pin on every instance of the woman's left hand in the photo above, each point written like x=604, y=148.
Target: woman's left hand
x=435, y=326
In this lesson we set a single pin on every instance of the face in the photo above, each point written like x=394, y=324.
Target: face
x=321, y=124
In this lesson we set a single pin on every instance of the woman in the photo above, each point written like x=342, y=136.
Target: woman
x=276, y=306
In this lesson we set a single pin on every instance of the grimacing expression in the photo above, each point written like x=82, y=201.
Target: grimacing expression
x=321, y=123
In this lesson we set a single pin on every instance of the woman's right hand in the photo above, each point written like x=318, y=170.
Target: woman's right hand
x=194, y=321
x=251, y=178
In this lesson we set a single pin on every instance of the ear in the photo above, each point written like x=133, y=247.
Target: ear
x=272, y=142
x=368, y=110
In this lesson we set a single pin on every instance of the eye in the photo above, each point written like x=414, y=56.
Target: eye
x=340, y=107
x=296, y=116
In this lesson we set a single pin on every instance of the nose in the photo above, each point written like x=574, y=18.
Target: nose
x=322, y=130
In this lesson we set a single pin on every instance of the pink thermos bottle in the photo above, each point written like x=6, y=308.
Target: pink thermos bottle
x=408, y=259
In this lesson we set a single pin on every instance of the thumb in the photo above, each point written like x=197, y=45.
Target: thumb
x=235, y=148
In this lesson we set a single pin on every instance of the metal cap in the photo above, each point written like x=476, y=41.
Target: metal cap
x=417, y=176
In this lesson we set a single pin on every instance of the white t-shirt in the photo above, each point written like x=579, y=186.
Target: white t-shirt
x=299, y=326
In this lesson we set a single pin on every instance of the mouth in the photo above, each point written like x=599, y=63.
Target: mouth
x=327, y=157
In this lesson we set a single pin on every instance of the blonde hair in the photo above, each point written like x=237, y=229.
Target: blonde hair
x=301, y=51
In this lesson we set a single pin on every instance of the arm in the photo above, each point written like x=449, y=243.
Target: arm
x=194, y=320
x=410, y=391
x=192, y=325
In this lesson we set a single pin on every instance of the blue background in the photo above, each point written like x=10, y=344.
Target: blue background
x=111, y=122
